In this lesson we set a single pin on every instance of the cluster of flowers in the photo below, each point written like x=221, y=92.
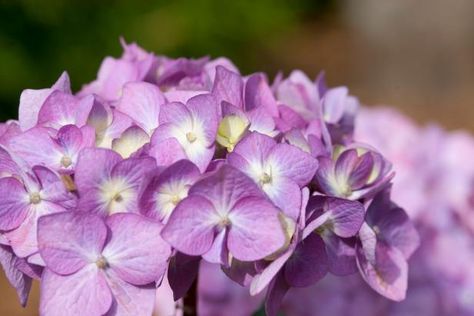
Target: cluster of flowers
x=435, y=182
x=161, y=163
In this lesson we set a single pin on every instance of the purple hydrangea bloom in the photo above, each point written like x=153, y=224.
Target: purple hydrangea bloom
x=225, y=214
x=164, y=180
x=97, y=267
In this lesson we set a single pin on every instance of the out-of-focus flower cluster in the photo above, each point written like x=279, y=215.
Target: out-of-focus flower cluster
x=435, y=182
x=164, y=170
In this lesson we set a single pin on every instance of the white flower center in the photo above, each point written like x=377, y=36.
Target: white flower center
x=35, y=198
x=66, y=161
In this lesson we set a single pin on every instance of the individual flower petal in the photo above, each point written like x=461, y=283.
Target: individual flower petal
x=135, y=251
x=133, y=139
x=383, y=267
x=228, y=86
x=32, y=100
x=69, y=241
x=142, y=101
x=308, y=264
x=129, y=299
x=165, y=189
x=190, y=228
x=83, y=293
x=13, y=203
x=248, y=240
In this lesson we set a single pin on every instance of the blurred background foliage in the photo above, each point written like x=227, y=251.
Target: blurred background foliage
x=40, y=39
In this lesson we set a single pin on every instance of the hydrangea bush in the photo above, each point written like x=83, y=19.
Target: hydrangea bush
x=165, y=176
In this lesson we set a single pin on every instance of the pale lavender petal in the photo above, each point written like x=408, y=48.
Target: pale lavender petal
x=190, y=228
x=228, y=86
x=129, y=299
x=225, y=187
x=131, y=141
x=69, y=241
x=13, y=203
x=83, y=293
x=293, y=163
x=135, y=251
x=259, y=94
x=165, y=188
x=247, y=240
x=32, y=100
x=141, y=101
x=218, y=252
x=167, y=151
x=286, y=194
x=93, y=165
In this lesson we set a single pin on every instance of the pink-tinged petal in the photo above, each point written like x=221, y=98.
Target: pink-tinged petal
x=182, y=96
x=113, y=75
x=53, y=189
x=13, y=203
x=30, y=146
x=228, y=86
x=93, y=166
x=286, y=194
x=256, y=230
x=293, y=163
x=182, y=272
x=361, y=172
x=308, y=264
x=133, y=170
x=61, y=109
x=8, y=166
x=69, y=241
x=32, y=100
x=129, y=299
x=225, y=187
x=133, y=139
x=83, y=293
x=141, y=101
x=289, y=119
x=73, y=138
x=385, y=270
x=175, y=113
x=261, y=122
x=259, y=94
x=156, y=198
x=261, y=280
x=334, y=104
x=136, y=252
x=200, y=155
x=218, y=252
x=190, y=228
x=119, y=124
x=275, y=294
x=204, y=110
x=167, y=151
x=17, y=279
x=254, y=147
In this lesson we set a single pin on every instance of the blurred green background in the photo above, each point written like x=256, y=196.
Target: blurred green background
x=39, y=39
x=415, y=55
